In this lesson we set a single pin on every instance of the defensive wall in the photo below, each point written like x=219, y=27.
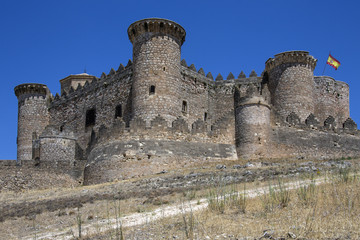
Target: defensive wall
x=158, y=113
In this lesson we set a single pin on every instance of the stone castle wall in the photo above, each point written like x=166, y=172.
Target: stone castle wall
x=332, y=99
x=103, y=95
x=158, y=113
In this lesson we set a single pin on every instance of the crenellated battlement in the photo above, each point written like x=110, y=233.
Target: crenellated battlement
x=31, y=90
x=156, y=26
x=122, y=74
x=330, y=124
x=291, y=57
x=191, y=72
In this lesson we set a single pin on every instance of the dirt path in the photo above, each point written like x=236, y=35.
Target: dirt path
x=161, y=212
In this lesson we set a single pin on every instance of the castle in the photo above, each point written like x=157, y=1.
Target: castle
x=158, y=113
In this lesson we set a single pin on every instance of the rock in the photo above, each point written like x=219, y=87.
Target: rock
x=306, y=163
x=219, y=166
x=267, y=234
x=237, y=166
x=249, y=164
x=162, y=172
x=291, y=235
x=247, y=173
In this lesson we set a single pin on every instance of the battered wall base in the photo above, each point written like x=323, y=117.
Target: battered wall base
x=119, y=160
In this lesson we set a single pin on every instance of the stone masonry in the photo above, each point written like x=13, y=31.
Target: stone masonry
x=158, y=113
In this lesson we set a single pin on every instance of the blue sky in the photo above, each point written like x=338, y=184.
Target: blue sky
x=45, y=41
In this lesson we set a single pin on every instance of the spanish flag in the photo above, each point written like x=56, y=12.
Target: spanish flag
x=333, y=62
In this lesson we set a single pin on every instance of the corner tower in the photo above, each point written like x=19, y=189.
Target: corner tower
x=291, y=83
x=33, y=116
x=156, y=68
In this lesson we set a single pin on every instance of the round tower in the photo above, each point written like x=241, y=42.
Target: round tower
x=291, y=83
x=252, y=125
x=33, y=116
x=156, y=68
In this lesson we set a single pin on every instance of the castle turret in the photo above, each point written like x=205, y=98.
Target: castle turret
x=33, y=116
x=73, y=81
x=252, y=123
x=291, y=83
x=156, y=69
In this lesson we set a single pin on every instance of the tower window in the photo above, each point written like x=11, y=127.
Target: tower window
x=118, y=111
x=152, y=90
x=184, y=106
x=205, y=117
x=90, y=117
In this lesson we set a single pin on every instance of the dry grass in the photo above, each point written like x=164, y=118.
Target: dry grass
x=327, y=211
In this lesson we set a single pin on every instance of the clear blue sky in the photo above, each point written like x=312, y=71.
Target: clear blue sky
x=45, y=41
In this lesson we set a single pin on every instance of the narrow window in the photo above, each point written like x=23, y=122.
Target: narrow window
x=152, y=90
x=164, y=68
x=90, y=117
x=118, y=111
x=184, y=106
x=205, y=117
x=146, y=27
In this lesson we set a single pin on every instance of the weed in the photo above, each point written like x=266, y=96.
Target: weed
x=79, y=221
x=238, y=200
x=344, y=175
x=119, y=229
x=189, y=224
x=306, y=193
x=216, y=200
x=190, y=195
x=222, y=198
x=34, y=227
x=278, y=197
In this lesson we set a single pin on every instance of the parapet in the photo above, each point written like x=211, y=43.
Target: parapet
x=157, y=25
x=26, y=90
x=300, y=57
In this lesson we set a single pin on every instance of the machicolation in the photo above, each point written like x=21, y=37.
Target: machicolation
x=157, y=113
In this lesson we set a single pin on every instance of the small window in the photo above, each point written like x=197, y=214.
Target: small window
x=205, y=117
x=152, y=90
x=90, y=117
x=184, y=106
x=118, y=111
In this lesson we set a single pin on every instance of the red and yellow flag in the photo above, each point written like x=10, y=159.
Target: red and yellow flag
x=333, y=62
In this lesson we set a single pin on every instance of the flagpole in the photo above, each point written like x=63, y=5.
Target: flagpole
x=325, y=65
